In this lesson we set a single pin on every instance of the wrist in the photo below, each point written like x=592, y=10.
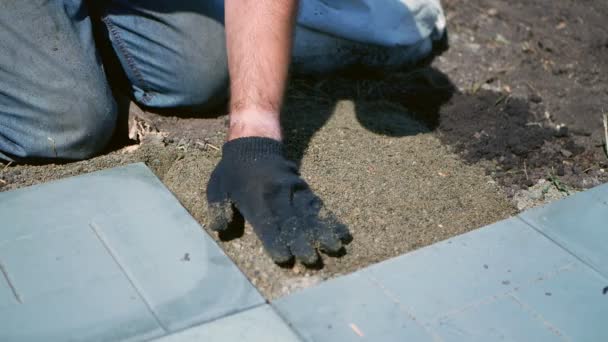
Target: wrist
x=254, y=123
x=253, y=149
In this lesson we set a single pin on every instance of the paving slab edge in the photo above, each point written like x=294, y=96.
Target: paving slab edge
x=589, y=192
x=147, y=172
x=531, y=225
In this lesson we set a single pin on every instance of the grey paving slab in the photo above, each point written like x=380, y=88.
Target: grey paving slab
x=508, y=281
x=469, y=269
x=349, y=308
x=500, y=319
x=181, y=273
x=111, y=252
x=600, y=192
x=46, y=264
x=572, y=302
x=260, y=324
x=578, y=223
x=103, y=310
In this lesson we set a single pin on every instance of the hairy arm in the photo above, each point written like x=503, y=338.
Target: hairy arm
x=254, y=176
x=258, y=39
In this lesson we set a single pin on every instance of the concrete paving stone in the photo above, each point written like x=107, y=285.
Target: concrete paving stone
x=469, y=269
x=106, y=309
x=68, y=202
x=600, y=192
x=45, y=264
x=63, y=286
x=259, y=324
x=179, y=270
x=572, y=301
x=121, y=228
x=348, y=308
x=501, y=319
x=578, y=223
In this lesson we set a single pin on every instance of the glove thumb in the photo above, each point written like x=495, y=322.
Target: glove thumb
x=219, y=206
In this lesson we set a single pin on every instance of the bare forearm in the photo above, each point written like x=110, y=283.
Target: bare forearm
x=258, y=39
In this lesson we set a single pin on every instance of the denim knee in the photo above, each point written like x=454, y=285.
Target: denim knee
x=70, y=125
x=176, y=60
x=87, y=130
x=55, y=102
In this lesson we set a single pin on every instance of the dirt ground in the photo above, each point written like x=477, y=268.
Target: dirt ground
x=507, y=118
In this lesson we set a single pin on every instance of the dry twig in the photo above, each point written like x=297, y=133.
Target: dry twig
x=7, y=165
x=606, y=134
x=356, y=329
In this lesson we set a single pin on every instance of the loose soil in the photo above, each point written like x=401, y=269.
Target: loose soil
x=533, y=85
x=509, y=114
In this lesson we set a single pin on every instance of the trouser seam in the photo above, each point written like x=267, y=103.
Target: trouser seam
x=147, y=96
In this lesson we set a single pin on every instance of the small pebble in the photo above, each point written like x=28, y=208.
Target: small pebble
x=535, y=98
x=561, y=132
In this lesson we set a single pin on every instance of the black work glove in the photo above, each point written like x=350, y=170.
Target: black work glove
x=267, y=190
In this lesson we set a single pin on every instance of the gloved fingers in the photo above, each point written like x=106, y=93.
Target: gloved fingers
x=299, y=187
x=303, y=249
x=219, y=207
x=338, y=229
x=341, y=231
x=300, y=239
x=279, y=195
x=292, y=167
x=219, y=215
x=328, y=240
x=276, y=248
x=321, y=233
x=304, y=201
x=265, y=227
x=328, y=231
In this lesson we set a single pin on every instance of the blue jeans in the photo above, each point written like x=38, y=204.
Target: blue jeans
x=55, y=100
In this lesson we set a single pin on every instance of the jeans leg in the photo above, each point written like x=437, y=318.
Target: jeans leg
x=173, y=52
x=54, y=99
x=315, y=52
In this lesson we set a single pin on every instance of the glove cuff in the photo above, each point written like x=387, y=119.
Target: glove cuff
x=252, y=148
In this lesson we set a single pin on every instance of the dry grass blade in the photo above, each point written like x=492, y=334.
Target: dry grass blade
x=606, y=134
x=7, y=165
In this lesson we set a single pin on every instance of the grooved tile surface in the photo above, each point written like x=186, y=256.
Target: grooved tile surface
x=470, y=268
x=599, y=192
x=109, y=256
x=349, y=308
x=6, y=294
x=578, y=223
x=260, y=324
x=112, y=256
x=503, y=282
x=573, y=302
x=504, y=319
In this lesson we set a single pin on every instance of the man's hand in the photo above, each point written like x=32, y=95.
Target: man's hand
x=255, y=178
x=253, y=175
